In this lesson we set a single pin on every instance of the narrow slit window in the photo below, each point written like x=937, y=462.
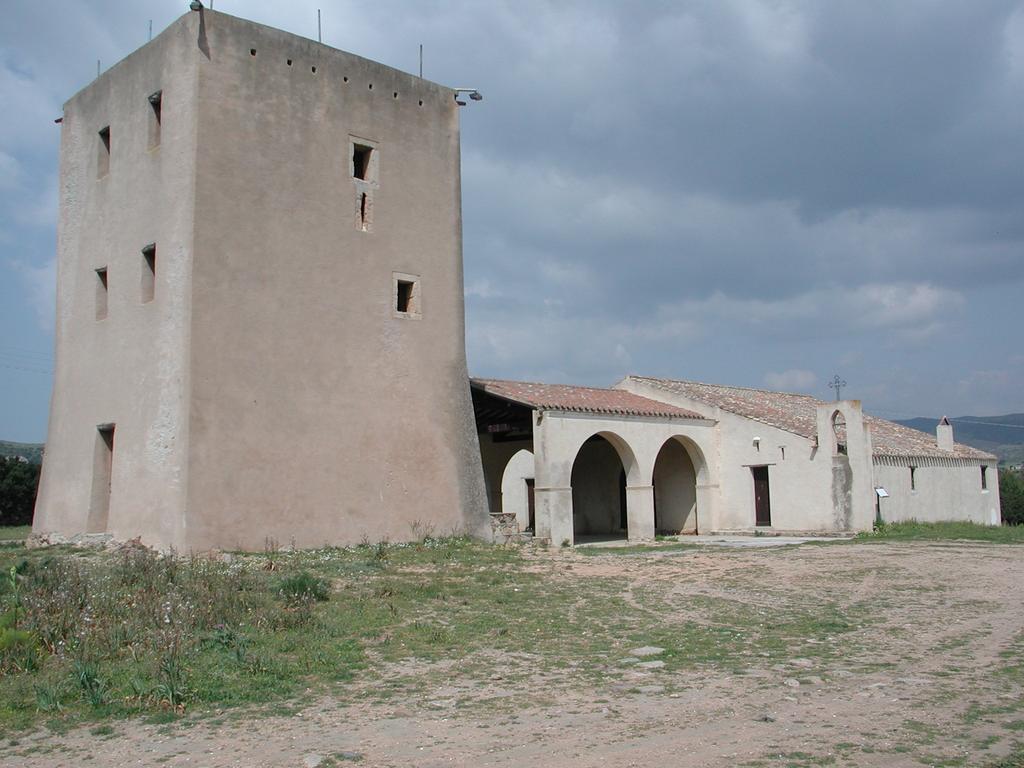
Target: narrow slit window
x=913, y=478
x=102, y=474
x=361, y=155
x=101, y=293
x=148, y=272
x=984, y=478
x=364, y=212
x=155, y=105
x=103, y=156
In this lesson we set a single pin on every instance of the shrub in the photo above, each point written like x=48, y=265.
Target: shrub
x=1011, y=496
x=19, y=482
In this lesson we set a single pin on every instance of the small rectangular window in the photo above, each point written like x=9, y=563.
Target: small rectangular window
x=913, y=479
x=155, y=103
x=101, y=293
x=406, y=296
x=984, y=477
x=103, y=156
x=148, y=272
x=361, y=155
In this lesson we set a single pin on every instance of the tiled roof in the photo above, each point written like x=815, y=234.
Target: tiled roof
x=798, y=414
x=562, y=397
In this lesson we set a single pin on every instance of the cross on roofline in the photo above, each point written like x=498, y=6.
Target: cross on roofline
x=837, y=384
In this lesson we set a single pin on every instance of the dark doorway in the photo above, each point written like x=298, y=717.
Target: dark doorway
x=598, y=492
x=531, y=505
x=762, y=497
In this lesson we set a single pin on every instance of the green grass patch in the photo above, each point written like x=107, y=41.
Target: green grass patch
x=14, y=533
x=110, y=635
x=914, y=531
x=1014, y=760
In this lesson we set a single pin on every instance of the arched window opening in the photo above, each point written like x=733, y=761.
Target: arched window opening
x=839, y=432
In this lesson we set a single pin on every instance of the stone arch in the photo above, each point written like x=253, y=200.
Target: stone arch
x=517, y=488
x=603, y=467
x=679, y=471
x=837, y=423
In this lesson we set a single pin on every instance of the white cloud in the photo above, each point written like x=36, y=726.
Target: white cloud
x=793, y=380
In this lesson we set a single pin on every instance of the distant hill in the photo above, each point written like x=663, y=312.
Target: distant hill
x=31, y=451
x=1001, y=435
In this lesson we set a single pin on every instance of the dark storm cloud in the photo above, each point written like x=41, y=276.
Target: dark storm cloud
x=749, y=192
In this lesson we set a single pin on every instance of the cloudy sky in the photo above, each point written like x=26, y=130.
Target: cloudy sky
x=755, y=193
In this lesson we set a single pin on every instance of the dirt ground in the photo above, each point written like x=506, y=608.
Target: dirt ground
x=931, y=673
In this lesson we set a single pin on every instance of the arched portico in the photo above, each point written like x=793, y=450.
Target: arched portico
x=597, y=445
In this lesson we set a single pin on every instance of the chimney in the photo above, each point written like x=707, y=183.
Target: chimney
x=944, y=435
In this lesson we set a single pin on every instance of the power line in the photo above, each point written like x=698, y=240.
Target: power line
x=23, y=351
x=987, y=423
x=27, y=370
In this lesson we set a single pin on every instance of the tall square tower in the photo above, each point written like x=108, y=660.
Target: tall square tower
x=260, y=318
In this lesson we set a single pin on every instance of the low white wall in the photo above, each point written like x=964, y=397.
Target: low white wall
x=945, y=490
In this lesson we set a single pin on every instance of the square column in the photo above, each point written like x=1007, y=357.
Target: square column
x=553, y=510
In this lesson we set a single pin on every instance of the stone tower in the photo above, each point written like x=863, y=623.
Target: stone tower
x=260, y=321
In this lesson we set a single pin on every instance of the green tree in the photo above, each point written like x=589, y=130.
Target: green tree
x=18, y=484
x=1011, y=496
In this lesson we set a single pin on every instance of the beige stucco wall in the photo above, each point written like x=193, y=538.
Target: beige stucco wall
x=945, y=490
x=129, y=369
x=271, y=391
x=318, y=415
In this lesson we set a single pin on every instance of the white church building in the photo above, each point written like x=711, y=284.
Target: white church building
x=659, y=456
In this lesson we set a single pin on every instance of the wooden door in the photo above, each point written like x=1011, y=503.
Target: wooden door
x=762, y=497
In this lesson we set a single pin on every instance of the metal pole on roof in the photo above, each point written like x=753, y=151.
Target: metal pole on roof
x=319, y=33
x=150, y=29
x=421, y=61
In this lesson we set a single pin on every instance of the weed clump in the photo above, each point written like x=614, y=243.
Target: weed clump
x=304, y=587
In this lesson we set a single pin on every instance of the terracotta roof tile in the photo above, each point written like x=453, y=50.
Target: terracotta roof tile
x=562, y=397
x=798, y=414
